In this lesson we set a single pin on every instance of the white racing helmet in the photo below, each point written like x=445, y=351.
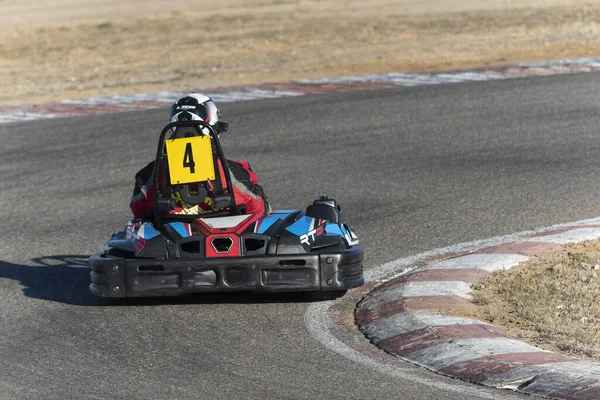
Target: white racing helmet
x=198, y=107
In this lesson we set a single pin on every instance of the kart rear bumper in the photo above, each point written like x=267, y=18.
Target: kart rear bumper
x=118, y=277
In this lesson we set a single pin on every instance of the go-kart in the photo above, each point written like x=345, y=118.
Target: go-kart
x=223, y=249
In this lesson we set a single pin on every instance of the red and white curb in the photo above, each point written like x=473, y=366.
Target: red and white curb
x=561, y=377
x=108, y=104
x=404, y=317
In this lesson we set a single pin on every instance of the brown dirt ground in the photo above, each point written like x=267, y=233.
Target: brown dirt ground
x=56, y=49
x=552, y=300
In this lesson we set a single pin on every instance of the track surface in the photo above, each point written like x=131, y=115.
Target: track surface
x=414, y=169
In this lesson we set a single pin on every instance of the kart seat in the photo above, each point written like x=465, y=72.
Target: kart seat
x=191, y=159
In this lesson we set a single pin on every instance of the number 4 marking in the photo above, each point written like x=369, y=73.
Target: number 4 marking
x=188, y=158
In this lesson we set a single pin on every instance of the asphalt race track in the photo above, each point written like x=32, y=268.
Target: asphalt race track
x=413, y=168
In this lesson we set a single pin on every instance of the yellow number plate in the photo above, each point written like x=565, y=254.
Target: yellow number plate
x=190, y=160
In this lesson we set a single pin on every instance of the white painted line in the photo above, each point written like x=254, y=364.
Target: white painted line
x=436, y=319
x=385, y=328
x=398, y=324
x=244, y=95
x=226, y=98
x=512, y=376
x=572, y=236
x=91, y=100
x=74, y=101
x=262, y=94
x=379, y=78
x=384, y=296
x=24, y=116
x=418, y=79
x=547, y=374
x=289, y=94
x=445, y=354
x=591, y=369
x=413, y=289
x=436, y=288
x=407, y=79
x=405, y=82
x=168, y=97
x=547, y=384
x=487, y=262
x=479, y=76
x=117, y=99
x=238, y=96
x=450, y=78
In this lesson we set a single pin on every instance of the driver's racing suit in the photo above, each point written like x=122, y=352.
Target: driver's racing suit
x=247, y=191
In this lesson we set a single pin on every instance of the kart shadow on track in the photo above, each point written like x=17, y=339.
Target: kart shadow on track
x=65, y=279
x=59, y=278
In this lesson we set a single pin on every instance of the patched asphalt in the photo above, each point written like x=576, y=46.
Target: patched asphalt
x=413, y=168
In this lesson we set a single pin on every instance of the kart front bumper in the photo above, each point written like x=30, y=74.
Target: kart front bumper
x=118, y=277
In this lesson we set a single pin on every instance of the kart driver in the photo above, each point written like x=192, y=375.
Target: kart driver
x=247, y=191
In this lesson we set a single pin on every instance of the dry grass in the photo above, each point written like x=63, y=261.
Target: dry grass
x=552, y=300
x=282, y=40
